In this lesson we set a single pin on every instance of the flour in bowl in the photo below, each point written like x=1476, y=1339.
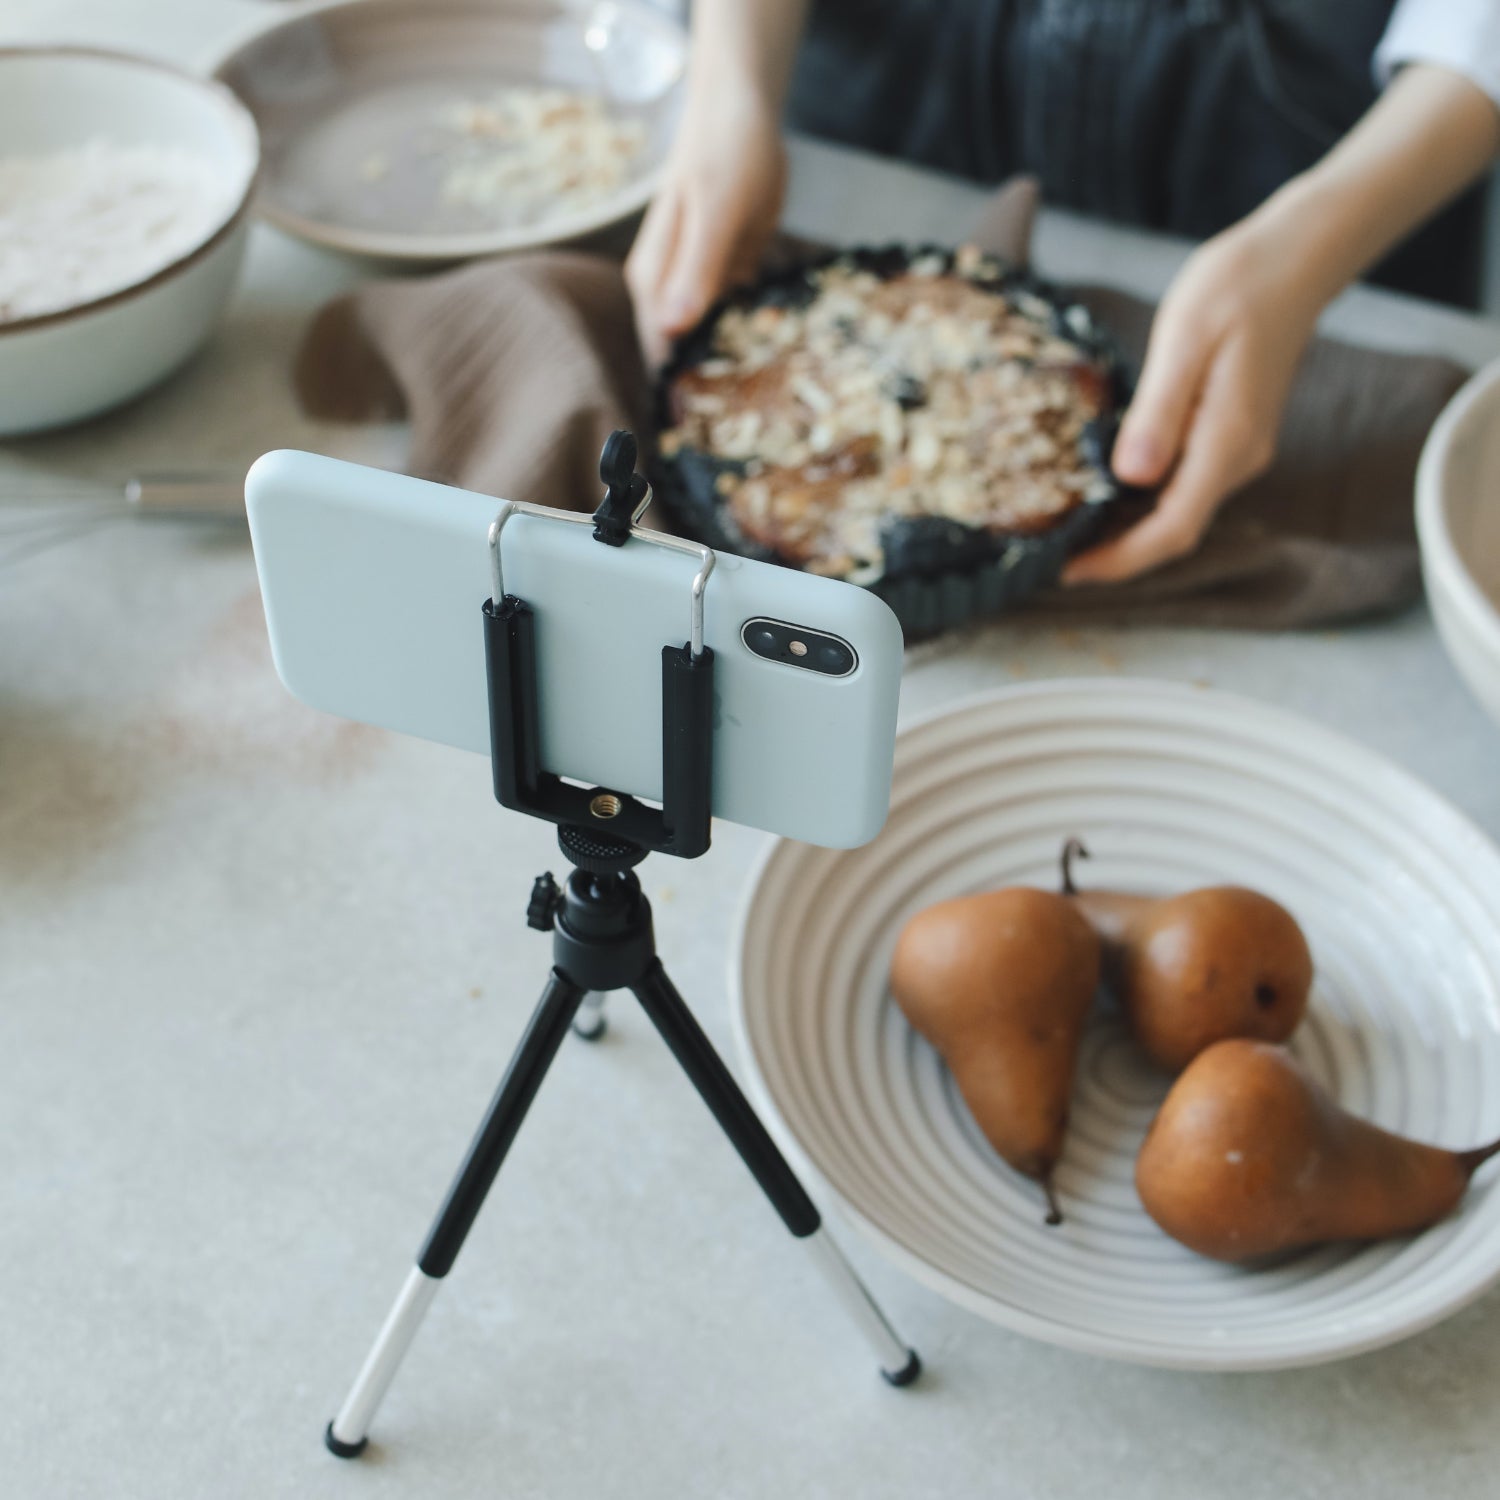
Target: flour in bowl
x=81, y=223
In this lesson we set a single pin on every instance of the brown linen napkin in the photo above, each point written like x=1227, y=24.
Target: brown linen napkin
x=513, y=372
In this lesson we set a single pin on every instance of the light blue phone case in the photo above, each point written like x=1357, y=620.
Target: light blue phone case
x=373, y=584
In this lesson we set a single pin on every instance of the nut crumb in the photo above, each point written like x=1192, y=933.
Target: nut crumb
x=524, y=153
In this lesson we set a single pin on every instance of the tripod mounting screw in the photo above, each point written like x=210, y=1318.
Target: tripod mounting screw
x=543, y=903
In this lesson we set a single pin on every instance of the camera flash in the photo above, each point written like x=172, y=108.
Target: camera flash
x=798, y=648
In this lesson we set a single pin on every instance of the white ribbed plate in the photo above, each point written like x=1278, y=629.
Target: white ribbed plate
x=1171, y=787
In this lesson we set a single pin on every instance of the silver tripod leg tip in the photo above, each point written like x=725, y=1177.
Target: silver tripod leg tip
x=898, y=1362
x=339, y=1448
x=590, y=1022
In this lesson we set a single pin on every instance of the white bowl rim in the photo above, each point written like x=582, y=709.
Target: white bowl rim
x=225, y=99
x=1442, y=558
x=426, y=248
x=1019, y=1319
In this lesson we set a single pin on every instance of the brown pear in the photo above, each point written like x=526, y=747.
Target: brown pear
x=1001, y=984
x=1249, y=1156
x=1190, y=970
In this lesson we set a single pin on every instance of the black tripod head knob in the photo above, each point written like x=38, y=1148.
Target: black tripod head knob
x=542, y=908
x=598, y=853
x=625, y=492
x=617, y=460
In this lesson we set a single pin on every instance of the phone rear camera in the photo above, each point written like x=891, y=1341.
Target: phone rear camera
x=832, y=656
x=793, y=646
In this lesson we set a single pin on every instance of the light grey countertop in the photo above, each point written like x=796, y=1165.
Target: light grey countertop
x=259, y=971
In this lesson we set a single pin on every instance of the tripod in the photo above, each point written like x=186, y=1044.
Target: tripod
x=602, y=940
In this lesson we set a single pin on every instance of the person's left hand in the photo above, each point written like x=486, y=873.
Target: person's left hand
x=1219, y=364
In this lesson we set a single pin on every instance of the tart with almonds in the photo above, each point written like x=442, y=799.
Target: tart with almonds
x=931, y=424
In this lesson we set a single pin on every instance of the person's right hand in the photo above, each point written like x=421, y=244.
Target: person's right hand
x=712, y=217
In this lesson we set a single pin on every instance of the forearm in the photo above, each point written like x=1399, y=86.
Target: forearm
x=743, y=50
x=1429, y=136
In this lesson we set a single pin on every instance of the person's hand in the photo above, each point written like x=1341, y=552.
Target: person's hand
x=707, y=227
x=1233, y=326
x=1219, y=364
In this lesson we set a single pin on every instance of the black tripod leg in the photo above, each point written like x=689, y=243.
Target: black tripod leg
x=682, y=1033
x=346, y=1434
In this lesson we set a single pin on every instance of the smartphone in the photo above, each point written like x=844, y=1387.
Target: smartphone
x=374, y=584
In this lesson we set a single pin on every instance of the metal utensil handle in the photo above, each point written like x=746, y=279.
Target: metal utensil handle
x=183, y=492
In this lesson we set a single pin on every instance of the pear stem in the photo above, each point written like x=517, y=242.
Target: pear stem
x=1054, y=1209
x=1471, y=1161
x=1072, y=849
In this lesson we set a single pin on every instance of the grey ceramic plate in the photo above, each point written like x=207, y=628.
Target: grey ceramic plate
x=352, y=99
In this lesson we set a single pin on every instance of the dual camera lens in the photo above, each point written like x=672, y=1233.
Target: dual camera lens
x=811, y=649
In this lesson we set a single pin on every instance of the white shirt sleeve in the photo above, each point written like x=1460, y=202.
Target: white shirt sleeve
x=1463, y=35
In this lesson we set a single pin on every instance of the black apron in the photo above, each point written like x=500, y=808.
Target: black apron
x=1178, y=115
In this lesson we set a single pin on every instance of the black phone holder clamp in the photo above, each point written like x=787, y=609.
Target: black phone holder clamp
x=609, y=820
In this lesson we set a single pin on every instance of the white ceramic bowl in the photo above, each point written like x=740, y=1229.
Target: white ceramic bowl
x=1458, y=524
x=1172, y=787
x=63, y=366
